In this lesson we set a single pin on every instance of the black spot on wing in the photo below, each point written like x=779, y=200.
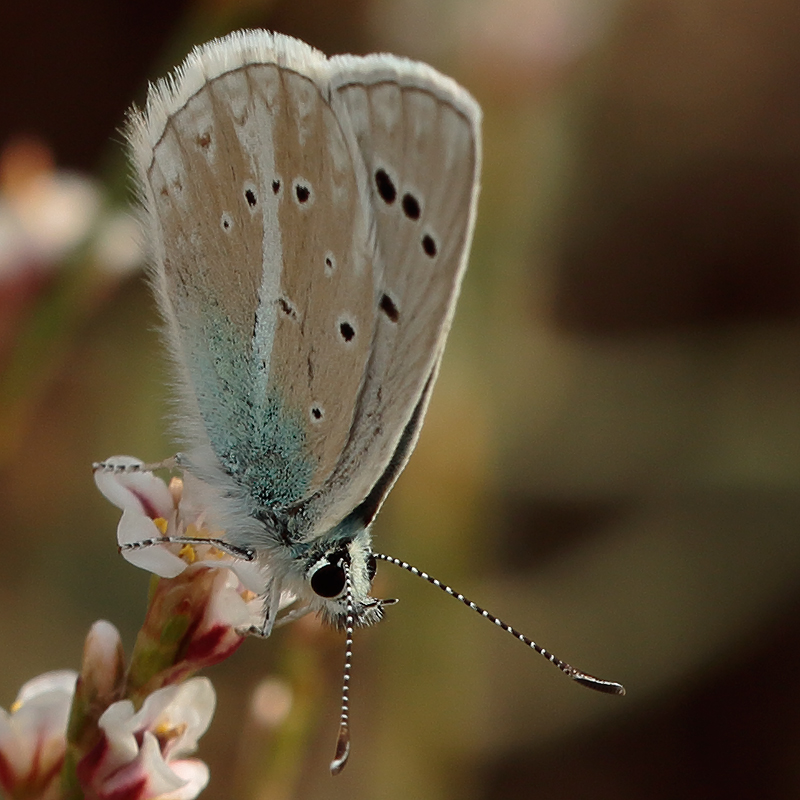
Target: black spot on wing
x=385, y=186
x=389, y=308
x=429, y=246
x=411, y=206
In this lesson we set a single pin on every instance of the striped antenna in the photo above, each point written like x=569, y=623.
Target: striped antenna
x=343, y=739
x=583, y=678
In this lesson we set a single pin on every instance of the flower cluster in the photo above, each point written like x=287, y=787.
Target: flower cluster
x=120, y=731
x=123, y=754
x=207, y=596
x=140, y=753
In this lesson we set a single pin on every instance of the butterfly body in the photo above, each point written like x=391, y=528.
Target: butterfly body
x=309, y=221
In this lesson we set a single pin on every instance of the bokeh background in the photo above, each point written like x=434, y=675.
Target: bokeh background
x=611, y=461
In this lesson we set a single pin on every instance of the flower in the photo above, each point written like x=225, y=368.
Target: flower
x=151, y=510
x=141, y=753
x=103, y=666
x=207, y=599
x=33, y=736
x=45, y=213
x=100, y=683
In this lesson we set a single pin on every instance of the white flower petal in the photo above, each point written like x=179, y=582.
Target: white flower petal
x=196, y=775
x=228, y=607
x=57, y=209
x=17, y=754
x=160, y=777
x=158, y=559
x=147, y=774
x=250, y=575
x=154, y=706
x=42, y=710
x=59, y=681
x=190, y=704
x=118, y=724
x=140, y=491
x=117, y=245
x=32, y=736
x=193, y=707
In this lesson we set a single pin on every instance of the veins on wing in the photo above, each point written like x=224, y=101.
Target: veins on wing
x=288, y=309
x=311, y=369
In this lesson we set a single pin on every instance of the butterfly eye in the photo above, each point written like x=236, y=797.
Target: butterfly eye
x=328, y=581
x=372, y=567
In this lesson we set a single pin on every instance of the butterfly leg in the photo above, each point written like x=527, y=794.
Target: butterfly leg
x=272, y=601
x=291, y=616
x=125, y=465
x=129, y=465
x=245, y=553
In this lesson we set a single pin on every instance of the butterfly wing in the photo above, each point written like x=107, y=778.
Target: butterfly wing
x=418, y=134
x=257, y=215
x=310, y=220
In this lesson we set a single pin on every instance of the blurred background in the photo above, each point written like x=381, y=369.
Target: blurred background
x=611, y=461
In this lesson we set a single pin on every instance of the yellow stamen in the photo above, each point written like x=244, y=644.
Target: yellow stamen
x=161, y=524
x=165, y=732
x=188, y=553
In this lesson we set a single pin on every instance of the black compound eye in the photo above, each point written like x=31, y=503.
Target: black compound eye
x=328, y=581
x=372, y=567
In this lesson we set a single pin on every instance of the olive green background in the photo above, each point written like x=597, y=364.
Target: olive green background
x=611, y=461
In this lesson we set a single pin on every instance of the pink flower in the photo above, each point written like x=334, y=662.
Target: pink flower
x=151, y=510
x=207, y=599
x=33, y=736
x=45, y=213
x=140, y=755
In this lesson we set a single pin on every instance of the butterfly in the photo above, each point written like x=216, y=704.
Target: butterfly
x=309, y=221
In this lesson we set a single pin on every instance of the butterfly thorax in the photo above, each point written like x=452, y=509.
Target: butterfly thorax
x=301, y=558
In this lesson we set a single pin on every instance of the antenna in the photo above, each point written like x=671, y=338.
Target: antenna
x=583, y=678
x=343, y=739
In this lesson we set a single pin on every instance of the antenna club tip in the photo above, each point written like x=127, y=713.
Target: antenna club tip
x=599, y=685
x=342, y=752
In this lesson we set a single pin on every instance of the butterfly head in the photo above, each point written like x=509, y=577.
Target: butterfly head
x=346, y=568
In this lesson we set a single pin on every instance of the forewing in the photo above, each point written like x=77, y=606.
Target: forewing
x=259, y=223
x=419, y=136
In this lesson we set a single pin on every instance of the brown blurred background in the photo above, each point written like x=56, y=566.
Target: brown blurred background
x=611, y=461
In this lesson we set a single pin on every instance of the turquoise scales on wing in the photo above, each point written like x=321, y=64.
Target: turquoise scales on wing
x=259, y=441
